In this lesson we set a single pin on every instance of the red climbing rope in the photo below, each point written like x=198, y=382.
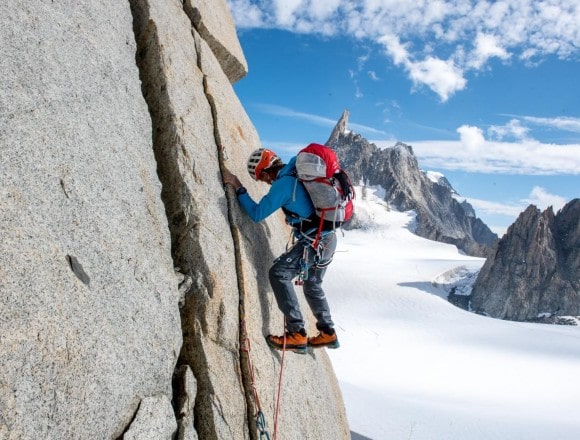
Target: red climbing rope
x=260, y=418
x=280, y=384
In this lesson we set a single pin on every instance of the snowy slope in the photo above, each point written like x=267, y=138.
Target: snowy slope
x=412, y=366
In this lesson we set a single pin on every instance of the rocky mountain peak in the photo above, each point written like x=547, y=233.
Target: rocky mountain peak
x=439, y=215
x=403, y=149
x=535, y=269
x=567, y=226
x=339, y=128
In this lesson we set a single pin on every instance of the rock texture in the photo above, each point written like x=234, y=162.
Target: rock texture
x=185, y=387
x=216, y=26
x=440, y=216
x=89, y=323
x=535, y=269
x=117, y=121
x=154, y=419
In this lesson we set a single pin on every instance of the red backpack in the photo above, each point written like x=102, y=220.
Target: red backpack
x=327, y=184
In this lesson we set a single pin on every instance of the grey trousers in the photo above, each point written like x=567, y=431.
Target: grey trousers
x=287, y=266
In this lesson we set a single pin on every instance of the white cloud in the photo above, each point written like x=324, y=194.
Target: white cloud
x=538, y=196
x=561, y=123
x=395, y=48
x=362, y=61
x=289, y=113
x=364, y=128
x=314, y=119
x=443, y=77
x=471, y=137
x=531, y=158
x=486, y=47
x=513, y=129
x=543, y=199
x=247, y=14
x=324, y=9
x=474, y=153
x=286, y=11
x=451, y=37
x=487, y=207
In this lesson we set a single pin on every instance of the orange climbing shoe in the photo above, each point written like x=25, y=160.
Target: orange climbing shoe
x=326, y=338
x=295, y=341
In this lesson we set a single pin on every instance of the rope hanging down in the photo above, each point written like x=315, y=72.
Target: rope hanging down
x=245, y=345
x=280, y=384
x=246, y=348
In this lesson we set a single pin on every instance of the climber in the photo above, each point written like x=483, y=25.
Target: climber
x=288, y=193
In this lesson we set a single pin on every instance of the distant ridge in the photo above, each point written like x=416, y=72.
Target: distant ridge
x=534, y=273
x=440, y=216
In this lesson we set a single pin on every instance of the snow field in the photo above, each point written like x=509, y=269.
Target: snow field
x=413, y=366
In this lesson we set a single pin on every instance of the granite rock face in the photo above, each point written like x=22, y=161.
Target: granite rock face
x=154, y=419
x=440, y=216
x=197, y=132
x=117, y=122
x=89, y=322
x=535, y=269
x=215, y=25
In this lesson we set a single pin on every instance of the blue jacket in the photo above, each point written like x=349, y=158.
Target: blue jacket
x=286, y=192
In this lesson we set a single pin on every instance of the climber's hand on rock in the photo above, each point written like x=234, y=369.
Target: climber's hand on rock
x=231, y=179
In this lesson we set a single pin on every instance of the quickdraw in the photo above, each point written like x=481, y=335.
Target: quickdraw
x=261, y=424
x=303, y=270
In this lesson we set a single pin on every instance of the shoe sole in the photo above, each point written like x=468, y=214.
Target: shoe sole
x=300, y=349
x=334, y=344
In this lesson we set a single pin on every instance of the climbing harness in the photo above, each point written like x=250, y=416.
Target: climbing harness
x=309, y=243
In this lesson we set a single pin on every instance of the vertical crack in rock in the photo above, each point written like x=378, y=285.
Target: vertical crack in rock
x=236, y=237
x=181, y=210
x=180, y=206
x=244, y=354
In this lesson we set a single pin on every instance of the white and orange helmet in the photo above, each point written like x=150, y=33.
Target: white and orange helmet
x=259, y=160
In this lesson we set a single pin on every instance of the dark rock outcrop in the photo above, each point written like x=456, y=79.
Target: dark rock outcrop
x=535, y=269
x=440, y=216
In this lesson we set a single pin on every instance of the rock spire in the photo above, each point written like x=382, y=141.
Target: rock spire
x=339, y=129
x=441, y=214
x=535, y=269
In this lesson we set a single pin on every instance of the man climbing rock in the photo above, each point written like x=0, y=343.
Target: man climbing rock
x=304, y=260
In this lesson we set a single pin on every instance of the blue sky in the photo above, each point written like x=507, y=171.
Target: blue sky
x=486, y=93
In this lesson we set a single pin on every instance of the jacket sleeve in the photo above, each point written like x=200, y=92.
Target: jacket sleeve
x=275, y=199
